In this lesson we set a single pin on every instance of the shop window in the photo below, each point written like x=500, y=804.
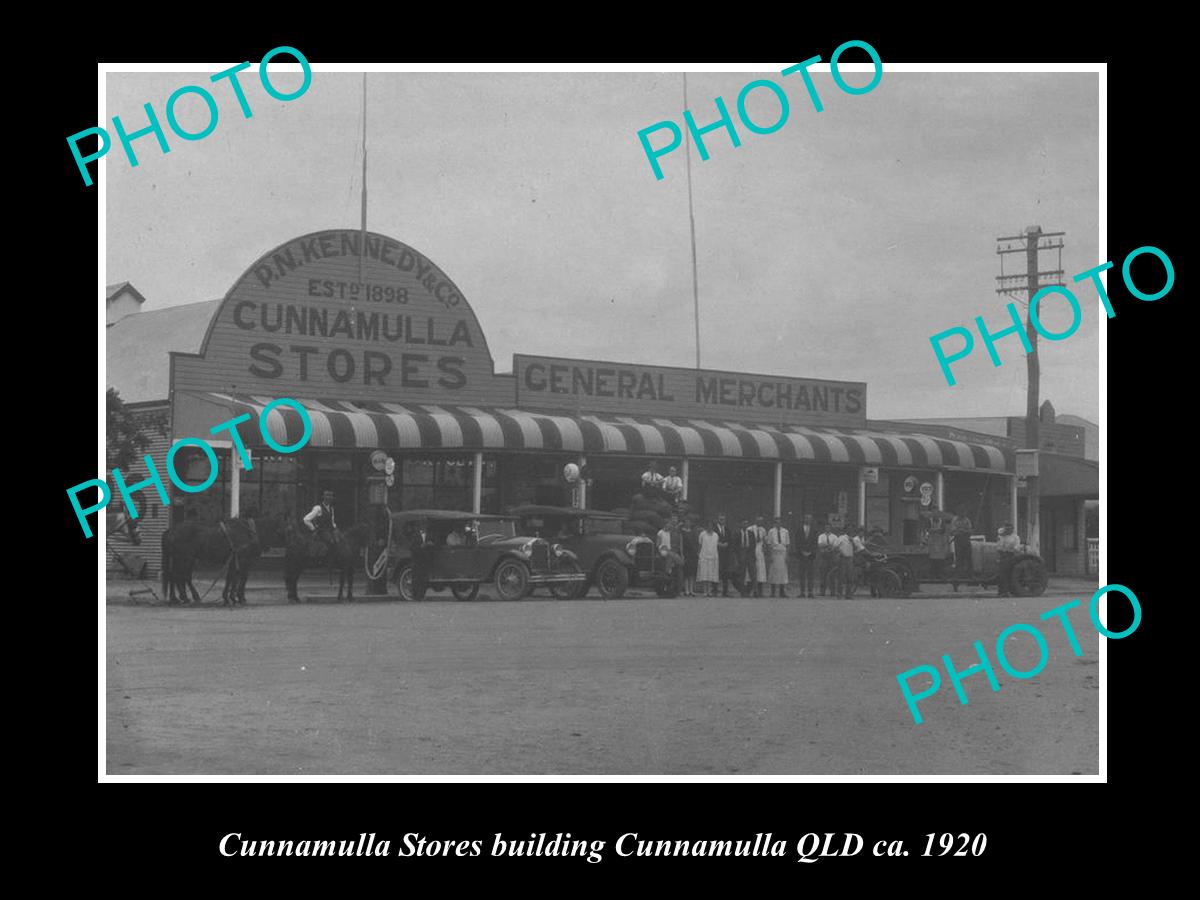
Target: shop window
x=277, y=468
x=879, y=503
x=437, y=482
x=342, y=463
x=489, y=499
x=193, y=467
x=208, y=506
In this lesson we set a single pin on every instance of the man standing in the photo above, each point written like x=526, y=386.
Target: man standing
x=844, y=548
x=1007, y=547
x=652, y=482
x=321, y=517
x=806, y=552
x=670, y=545
x=321, y=523
x=827, y=559
x=421, y=547
x=859, y=560
x=757, y=556
x=725, y=553
x=672, y=486
x=960, y=527
x=777, y=542
x=743, y=557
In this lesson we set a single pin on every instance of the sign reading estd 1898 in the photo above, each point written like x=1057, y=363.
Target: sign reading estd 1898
x=334, y=314
x=582, y=385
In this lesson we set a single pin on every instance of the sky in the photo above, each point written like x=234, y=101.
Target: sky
x=832, y=248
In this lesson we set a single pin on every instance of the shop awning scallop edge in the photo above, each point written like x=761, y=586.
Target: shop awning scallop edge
x=394, y=426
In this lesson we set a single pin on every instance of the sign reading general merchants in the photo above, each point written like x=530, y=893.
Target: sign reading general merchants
x=302, y=322
x=582, y=385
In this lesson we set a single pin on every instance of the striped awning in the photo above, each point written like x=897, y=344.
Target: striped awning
x=338, y=423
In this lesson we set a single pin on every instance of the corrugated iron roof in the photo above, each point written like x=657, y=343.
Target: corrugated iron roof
x=137, y=363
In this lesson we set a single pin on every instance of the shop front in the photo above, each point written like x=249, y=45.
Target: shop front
x=389, y=361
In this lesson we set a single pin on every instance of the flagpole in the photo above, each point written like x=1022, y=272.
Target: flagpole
x=363, y=240
x=692, y=221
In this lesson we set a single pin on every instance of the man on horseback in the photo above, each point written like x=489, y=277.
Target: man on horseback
x=321, y=523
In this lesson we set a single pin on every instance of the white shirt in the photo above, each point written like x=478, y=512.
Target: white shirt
x=844, y=545
x=827, y=540
x=778, y=537
x=672, y=484
x=1008, y=542
x=651, y=478
x=317, y=511
x=664, y=540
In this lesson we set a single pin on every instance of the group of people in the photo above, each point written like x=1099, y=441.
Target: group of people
x=716, y=556
x=657, y=486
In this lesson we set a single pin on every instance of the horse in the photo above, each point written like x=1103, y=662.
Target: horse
x=232, y=542
x=304, y=549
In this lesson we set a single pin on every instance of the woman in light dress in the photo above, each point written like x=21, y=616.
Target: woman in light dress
x=708, y=566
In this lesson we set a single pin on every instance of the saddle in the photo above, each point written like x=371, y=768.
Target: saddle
x=321, y=546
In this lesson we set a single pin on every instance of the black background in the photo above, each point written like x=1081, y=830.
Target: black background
x=1033, y=824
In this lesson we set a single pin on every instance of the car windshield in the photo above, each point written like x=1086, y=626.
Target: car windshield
x=604, y=526
x=497, y=529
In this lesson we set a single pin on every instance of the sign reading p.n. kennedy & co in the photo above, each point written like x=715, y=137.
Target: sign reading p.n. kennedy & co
x=578, y=385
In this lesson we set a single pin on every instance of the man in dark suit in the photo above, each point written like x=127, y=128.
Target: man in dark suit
x=726, y=561
x=421, y=548
x=805, y=540
x=737, y=546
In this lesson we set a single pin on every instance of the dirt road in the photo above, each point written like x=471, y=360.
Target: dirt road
x=685, y=686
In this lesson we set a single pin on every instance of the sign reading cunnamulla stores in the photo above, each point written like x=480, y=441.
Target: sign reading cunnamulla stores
x=302, y=322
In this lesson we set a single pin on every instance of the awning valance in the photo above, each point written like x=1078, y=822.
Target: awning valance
x=339, y=423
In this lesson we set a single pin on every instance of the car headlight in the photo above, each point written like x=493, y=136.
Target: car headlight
x=631, y=547
x=557, y=548
x=527, y=548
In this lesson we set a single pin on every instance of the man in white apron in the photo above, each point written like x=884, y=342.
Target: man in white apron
x=758, y=571
x=777, y=542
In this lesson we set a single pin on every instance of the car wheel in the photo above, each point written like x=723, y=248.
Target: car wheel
x=570, y=589
x=512, y=579
x=612, y=579
x=404, y=582
x=465, y=592
x=1028, y=578
x=888, y=584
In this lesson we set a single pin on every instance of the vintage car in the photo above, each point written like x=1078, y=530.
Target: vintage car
x=931, y=561
x=470, y=550
x=612, y=559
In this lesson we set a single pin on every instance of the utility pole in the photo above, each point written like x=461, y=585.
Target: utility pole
x=692, y=221
x=1031, y=244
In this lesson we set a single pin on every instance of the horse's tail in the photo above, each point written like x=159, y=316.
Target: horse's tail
x=166, y=561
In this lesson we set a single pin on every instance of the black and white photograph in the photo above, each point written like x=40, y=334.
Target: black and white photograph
x=705, y=422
